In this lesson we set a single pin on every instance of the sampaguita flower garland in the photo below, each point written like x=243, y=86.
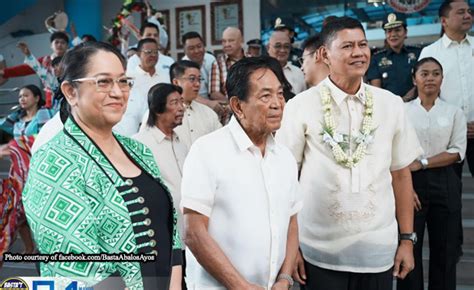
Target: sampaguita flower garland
x=338, y=141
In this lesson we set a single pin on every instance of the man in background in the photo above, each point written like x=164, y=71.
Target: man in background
x=198, y=119
x=233, y=52
x=254, y=48
x=145, y=76
x=166, y=113
x=295, y=52
x=210, y=91
x=312, y=64
x=151, y=30
x=279, y=47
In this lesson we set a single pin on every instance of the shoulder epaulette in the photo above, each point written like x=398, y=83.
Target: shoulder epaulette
x=380, y=51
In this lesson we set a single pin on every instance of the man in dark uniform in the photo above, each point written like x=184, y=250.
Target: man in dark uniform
x=295, y=52
x=391, y=67
x=254, y=48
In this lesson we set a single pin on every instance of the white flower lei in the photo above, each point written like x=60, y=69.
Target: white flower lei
x=336, y=140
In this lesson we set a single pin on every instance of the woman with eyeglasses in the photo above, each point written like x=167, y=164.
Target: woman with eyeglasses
x=91, y=191
x=441, y=130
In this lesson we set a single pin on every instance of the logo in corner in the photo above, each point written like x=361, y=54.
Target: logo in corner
x=14, y=284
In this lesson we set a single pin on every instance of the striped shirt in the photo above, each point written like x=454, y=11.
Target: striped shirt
x=225, y=62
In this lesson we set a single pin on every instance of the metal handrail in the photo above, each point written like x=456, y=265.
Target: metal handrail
x=9, y=103
x=14, y=104
x=11, y=90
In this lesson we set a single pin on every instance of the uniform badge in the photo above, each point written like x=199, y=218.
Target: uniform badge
x=411, y=57
x=385, y=62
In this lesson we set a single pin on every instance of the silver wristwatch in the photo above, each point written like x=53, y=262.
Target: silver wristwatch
x=424, y=163
x=287, y=278
x=409, y=236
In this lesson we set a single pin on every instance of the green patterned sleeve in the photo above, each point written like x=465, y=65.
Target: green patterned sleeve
x=60, y=217
x=177, y=247
x=176, y=238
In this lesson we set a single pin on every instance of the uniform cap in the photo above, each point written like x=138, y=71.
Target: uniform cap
x=393, y=22
x=254, y=42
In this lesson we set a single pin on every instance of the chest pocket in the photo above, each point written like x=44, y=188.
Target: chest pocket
x=387, y=71
x=442, y=129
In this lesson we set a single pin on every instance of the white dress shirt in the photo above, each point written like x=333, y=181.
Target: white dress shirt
x=206, y=74
x=138, y=100
x=457, y=60
x=198, y=120
x=248, y=199
x=348, y=222
x=169, y=154
x=162, y=66
x=441, y=129
x=295, y=77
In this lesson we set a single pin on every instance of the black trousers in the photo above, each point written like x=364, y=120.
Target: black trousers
x=323, y=279
x=458, y=170
x=470, y=155
x=440, y=194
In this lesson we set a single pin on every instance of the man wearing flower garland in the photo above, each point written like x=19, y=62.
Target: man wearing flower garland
x=350, y=141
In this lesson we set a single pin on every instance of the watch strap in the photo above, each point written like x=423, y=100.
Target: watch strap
x=410, y=236
x=287, y=278
x=424, y=163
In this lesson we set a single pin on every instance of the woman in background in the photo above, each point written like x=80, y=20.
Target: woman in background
x=441, y=130
x=23, y=125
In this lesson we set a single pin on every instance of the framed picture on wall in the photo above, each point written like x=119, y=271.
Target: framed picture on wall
x=191, y=18
x=165, y=21
x=224, y=14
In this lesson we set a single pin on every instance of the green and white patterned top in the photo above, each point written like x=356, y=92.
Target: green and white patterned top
x=73, y=206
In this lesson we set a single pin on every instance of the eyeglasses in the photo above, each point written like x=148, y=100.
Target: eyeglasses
x=193, y=79
x=301, y=59
x=279, y=46
x=105, y=84
x=150, y=52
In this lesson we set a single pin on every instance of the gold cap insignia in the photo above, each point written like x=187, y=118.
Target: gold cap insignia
x=392, y=21
x=278, y=22
x=391, y=18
